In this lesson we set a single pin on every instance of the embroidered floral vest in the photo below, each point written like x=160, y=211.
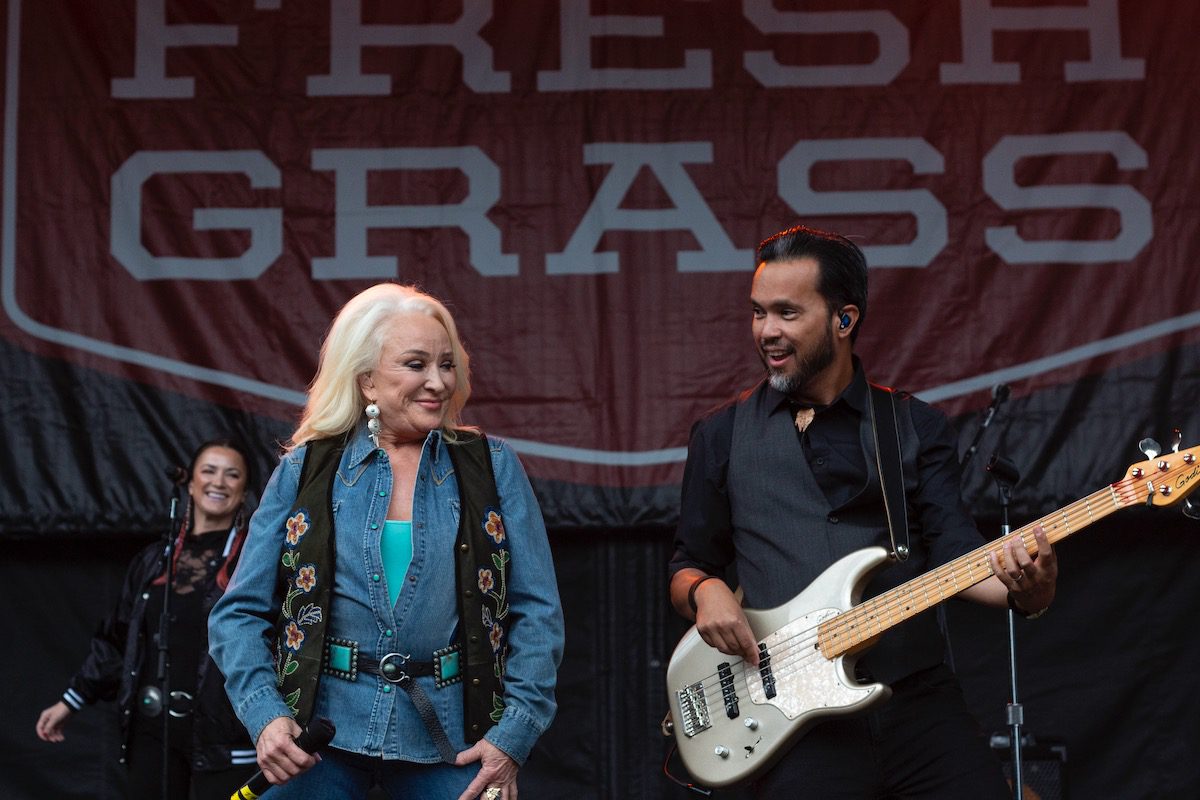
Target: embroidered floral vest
x=305, y=575
x=483, y=568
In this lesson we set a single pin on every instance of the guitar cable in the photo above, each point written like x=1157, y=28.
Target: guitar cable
x=690, y=786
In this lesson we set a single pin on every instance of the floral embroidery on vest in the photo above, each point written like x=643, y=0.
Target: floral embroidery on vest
x=494, y=588
x=302, y=581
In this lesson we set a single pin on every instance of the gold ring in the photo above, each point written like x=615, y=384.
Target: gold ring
x=492, y=793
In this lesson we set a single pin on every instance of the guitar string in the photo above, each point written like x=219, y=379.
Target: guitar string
x=784, y=659
x=892, y=604
x=860, y=615
x=784, y=662
x=782, y=652
x=782, y=655
x=1122, y=493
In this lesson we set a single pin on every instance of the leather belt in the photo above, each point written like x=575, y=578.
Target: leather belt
x=343, y=660
x=395, y=667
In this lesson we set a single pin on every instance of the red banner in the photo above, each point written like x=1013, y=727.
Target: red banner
x=192, y=189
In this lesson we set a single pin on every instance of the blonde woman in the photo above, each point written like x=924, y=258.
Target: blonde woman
x=397, y=578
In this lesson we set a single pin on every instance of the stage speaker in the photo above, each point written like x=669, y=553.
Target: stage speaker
x=1043, y=764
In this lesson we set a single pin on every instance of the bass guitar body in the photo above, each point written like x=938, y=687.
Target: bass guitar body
x=732, y=719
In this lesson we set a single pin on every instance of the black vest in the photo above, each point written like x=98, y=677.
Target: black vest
x=304, y=582
x=785, y=534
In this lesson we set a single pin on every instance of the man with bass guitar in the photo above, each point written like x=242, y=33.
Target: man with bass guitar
x=785, y=481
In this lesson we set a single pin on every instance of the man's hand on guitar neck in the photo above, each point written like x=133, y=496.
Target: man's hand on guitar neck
x=1029, y=579
x=719, y=616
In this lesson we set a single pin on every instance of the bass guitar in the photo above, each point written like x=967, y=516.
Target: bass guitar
x=732, y=720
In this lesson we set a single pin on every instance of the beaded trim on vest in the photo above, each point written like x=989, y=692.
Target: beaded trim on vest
x=304, y=580
x=484, y=567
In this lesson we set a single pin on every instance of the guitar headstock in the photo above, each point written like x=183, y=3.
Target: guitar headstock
x=1165, y=479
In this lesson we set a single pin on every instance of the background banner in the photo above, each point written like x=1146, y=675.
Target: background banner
x=192, y=189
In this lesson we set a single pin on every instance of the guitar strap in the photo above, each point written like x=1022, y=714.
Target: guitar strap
x=891, y=469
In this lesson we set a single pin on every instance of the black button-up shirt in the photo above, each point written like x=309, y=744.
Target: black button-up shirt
x=831, y=444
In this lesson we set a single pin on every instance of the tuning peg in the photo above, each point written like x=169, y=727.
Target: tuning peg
x=1191, y=509
x=1150, y=447
x=1176, y=438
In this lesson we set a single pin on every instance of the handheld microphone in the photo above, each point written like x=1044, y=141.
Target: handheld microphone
x=318, y=734
x=177, y=474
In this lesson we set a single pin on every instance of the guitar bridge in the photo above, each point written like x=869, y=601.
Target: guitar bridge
x=693, y=708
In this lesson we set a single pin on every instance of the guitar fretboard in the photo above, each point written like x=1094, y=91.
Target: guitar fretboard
x=869, y=619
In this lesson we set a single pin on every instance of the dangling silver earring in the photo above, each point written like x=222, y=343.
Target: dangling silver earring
x=373, y=425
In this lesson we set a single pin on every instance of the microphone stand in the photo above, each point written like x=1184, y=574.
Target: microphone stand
x=999, y=396
x=1006, y=475
x=162, y=638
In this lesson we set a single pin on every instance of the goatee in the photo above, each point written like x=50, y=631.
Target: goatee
x=808, y=366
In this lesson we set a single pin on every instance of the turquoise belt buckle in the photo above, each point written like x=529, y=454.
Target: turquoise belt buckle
x=341, y=658
x=446, y=669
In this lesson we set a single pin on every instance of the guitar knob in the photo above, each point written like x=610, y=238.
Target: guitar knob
x=751, y=723
x=1150, y=447
x=722, y=751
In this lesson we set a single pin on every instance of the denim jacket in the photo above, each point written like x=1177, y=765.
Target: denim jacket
x=372, y=716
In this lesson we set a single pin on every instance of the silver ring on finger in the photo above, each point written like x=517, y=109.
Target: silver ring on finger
x=1018, y=576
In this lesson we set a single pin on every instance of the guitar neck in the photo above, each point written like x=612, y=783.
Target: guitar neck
x=853, y=628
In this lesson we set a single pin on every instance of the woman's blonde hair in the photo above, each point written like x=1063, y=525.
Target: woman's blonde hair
x=353, y=346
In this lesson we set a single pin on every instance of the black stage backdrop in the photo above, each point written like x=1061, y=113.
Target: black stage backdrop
x=583, y=182
x=1106, y=672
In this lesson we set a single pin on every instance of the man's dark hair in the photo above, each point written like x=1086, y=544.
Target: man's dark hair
x=843, y=278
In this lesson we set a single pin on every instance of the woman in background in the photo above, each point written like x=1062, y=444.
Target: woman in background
x=210, y=753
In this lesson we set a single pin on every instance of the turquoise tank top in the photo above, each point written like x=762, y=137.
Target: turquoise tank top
x=395, y=549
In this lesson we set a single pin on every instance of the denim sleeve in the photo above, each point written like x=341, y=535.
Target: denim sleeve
x=535, y=638
x=242, y=622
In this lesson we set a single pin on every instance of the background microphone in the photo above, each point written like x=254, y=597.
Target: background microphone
x=318, y=734
x=178, y=475
x=999, y=395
